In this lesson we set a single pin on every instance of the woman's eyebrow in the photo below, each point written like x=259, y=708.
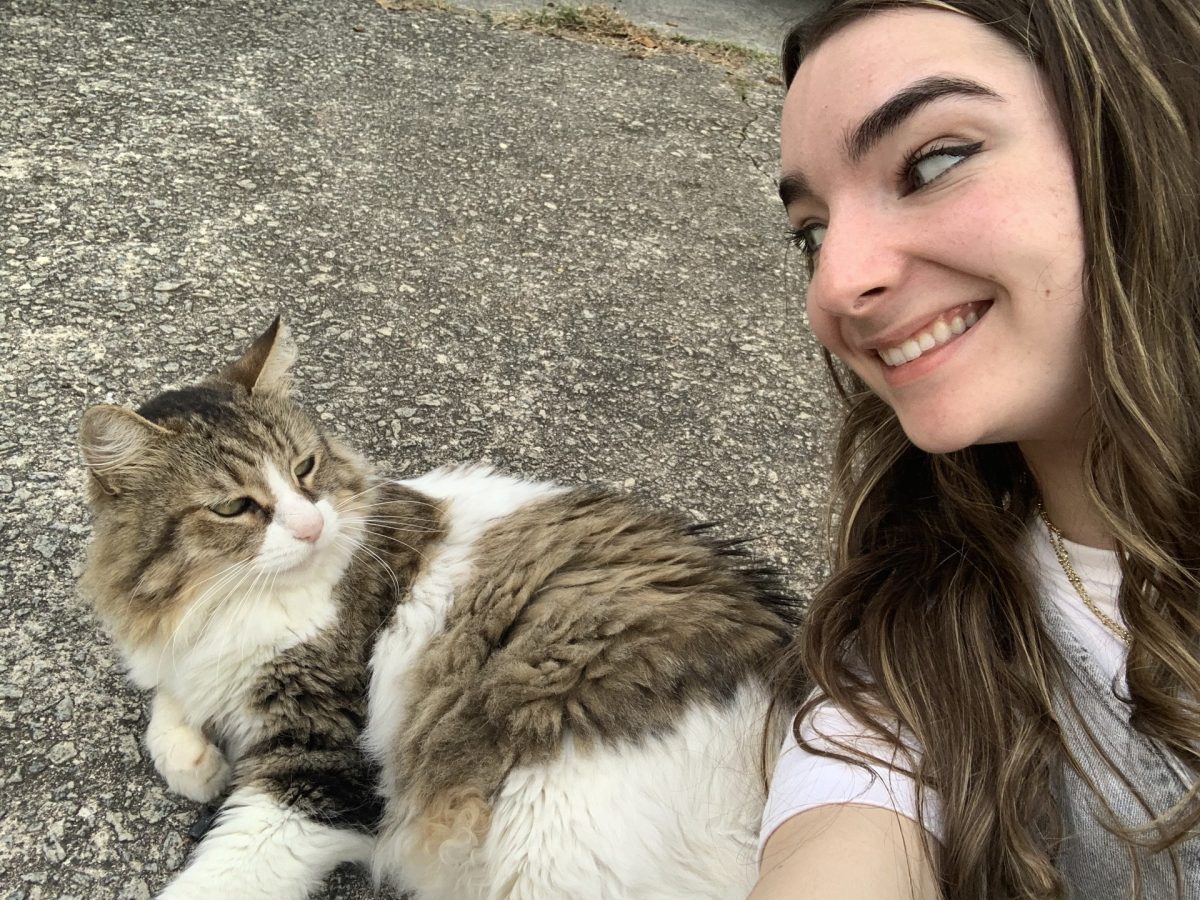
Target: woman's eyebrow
x=793, y=187
x=886, y=118
x=903, y=104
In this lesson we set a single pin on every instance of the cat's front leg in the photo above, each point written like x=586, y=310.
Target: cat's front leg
x=263, y=849
x=189, y=762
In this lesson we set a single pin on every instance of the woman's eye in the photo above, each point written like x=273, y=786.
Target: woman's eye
x=928, y=167
x=231, y=508
x=305, y=467
x=809, y=238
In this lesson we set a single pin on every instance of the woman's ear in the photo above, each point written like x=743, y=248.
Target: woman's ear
x=118, y=444
x=263, y=369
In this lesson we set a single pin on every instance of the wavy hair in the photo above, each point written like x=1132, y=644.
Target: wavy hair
x=930, y=620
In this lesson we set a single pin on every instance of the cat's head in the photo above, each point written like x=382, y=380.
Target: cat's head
x=204, y=489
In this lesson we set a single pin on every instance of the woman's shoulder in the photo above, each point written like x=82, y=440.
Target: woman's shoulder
x=838, y=760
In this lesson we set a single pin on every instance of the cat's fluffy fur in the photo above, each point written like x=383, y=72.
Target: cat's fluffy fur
x=479, y=686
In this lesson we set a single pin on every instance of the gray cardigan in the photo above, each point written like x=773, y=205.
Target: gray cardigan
x=1097, y=864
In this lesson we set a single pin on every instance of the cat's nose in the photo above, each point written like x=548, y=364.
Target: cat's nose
x=302, y=519
x=308, y=529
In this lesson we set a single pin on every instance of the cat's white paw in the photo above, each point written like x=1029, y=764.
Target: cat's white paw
x=189, y=762
x=261, y=849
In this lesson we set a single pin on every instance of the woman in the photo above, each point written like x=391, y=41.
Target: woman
x=1000, y=204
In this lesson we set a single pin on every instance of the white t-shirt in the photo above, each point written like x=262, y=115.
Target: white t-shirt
x=804, y=780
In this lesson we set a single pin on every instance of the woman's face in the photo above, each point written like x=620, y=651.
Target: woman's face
x=927, y=172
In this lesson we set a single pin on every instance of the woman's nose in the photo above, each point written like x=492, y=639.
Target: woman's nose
x=859, y=261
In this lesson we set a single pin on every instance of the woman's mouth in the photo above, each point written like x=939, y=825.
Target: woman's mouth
x=945, y=329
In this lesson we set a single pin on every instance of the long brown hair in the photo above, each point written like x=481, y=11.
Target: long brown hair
x=930, y=620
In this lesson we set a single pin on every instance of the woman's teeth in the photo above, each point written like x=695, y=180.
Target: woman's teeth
x=941, y=332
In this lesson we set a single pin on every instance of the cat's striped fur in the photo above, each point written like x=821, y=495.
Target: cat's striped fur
x=480, y=686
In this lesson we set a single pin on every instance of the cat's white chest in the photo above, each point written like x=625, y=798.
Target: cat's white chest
x=211, y=663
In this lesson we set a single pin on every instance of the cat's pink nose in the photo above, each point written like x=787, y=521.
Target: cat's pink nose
x=302, y=519
x=310, y=528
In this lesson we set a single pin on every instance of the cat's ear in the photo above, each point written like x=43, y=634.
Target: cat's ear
x=263, y=369
x=117, y=444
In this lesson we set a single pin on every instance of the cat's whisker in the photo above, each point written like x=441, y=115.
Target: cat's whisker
x=345, y=538
x=384, y=534
x=374, y=527
x=407, y=501
x=418, y=519
x=268, y=584
x=406, y=524
x=240, y=600
x=357, y=545
x=227, y=574
x=213, y=598
x=354, y=542
x=402, y=543
x=250, y=599
x=223, y=571
x=341, y=501
x=238, y=570
x=389, y=501
x=390, y=571
x=395, y=501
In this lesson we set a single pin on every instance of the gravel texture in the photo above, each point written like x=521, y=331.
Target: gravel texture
x=490, y=244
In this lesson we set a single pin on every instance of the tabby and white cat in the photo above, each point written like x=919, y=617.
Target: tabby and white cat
x=476, y=685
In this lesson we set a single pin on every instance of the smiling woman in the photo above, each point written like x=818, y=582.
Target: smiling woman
x=997, y=203
x=941, y=221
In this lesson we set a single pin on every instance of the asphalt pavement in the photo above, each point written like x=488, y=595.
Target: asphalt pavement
x=491, y=244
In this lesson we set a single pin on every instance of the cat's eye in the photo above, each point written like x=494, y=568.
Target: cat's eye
x=234, y=507
x=305, y=467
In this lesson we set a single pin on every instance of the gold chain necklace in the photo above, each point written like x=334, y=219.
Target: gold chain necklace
x=1060, y=550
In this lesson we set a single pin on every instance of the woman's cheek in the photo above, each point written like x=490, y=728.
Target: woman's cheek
x=825, y=327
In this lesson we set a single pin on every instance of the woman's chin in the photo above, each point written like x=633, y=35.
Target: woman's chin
x=941, y=440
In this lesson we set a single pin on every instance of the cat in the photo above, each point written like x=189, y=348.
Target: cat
x=476, y=685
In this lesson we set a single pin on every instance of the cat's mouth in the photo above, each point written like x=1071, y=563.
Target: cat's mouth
x=302, y=562
x=292, y=562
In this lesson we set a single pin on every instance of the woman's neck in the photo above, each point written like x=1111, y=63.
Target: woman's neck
x=1058, y=469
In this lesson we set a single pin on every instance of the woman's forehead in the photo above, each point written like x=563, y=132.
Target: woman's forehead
x=860, y=68
x=866, y=62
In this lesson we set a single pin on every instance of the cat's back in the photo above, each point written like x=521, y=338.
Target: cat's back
x=574, y=679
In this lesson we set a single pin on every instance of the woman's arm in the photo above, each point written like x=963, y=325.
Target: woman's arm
x=846, y=851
